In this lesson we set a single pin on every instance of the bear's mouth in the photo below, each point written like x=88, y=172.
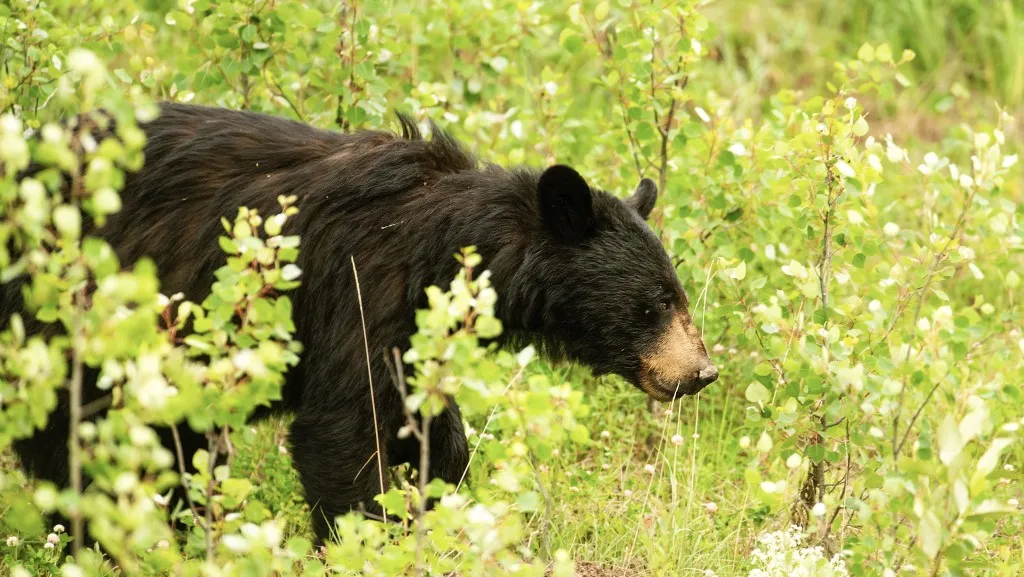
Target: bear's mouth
x=665, y=391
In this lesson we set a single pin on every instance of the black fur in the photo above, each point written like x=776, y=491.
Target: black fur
x=644, y=198
x=578, y=271
x=566, y=204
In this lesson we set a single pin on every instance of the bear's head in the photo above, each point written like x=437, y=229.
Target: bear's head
x=611, y=298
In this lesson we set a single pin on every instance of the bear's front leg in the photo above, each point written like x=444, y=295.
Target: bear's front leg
x=337, y=462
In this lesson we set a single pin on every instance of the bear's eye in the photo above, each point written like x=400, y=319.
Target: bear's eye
x=664, y=304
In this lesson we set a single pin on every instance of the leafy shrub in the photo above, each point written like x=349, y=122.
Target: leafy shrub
x=862, y=292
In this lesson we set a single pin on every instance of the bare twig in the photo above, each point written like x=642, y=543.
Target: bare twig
x=928, y=397
x=814, y=488
x=181, y=471
x=276, y=90
x=369, y=375
x=74, y=443
x=634, y=146
x=922, y=292
x=420, y=429
x=490, y=417
x=846, y=482
x=906, y=433
x=545, y=537
x=93, y=407
x=211, y=445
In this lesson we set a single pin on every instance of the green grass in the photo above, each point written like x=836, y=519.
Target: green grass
x=692, y=514
x=969, y=53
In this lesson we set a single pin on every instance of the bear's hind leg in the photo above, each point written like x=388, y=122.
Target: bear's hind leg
x=44, y=456
x=337, y=463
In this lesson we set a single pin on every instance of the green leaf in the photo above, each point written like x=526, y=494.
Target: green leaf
x=929, y=530
x=860, y=128
x=815, y=453
x=570, y=40
x=528, y=501
x=961, y=496
x=950, y=442
x=236, y=489
x=739, y=272
x=394, y=503
x=866, y=53
x=228, y=245
x=989, y=461
x=68, y=220
x=201, y=461
x=248, y=33
x=883, y=53
x=580, y=435
x=991, y=508
x=820, y=316
x=973, y=423
x=758, y=393
x=255, y=512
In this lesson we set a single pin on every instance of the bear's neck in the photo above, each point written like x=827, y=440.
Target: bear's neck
x=496, y=212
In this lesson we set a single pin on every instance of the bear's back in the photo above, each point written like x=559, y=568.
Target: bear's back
x=202, y=163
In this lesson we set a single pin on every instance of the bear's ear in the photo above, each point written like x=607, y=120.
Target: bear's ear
x=644, y=198
x=566, y=203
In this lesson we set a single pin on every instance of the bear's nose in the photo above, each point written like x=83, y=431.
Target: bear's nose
x=708, y=375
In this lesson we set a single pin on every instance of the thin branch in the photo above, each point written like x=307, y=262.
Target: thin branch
x=814, y=488
x=369, y=374
x=74, y=442
x=939, y=257
x=548, y=507
x=181, y=471
x=276, y=90
x=913, y=420
x=846, y=483
x=92, y=408
x=423, y=477
x=490, y=417
x=634, y=145
x=420, y=430
x=211, y=444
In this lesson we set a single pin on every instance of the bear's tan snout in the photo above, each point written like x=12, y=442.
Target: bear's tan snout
x=678, y=364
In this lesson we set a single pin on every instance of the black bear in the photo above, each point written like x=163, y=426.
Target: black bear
x=578, y=273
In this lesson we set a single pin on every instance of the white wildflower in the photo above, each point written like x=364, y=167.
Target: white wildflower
x=738, y=149
x=781, y=554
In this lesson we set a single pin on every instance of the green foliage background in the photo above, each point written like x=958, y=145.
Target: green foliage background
x=840, y=189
